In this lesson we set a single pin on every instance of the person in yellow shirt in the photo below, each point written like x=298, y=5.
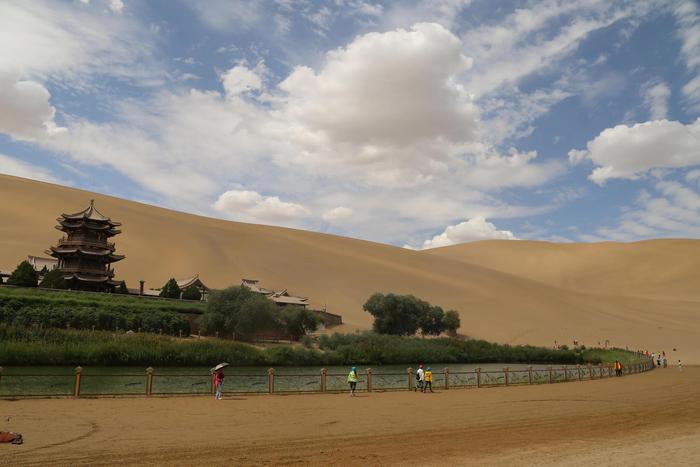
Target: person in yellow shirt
x=352, y=379
x=428, y=380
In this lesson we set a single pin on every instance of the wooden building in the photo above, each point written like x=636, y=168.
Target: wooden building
x=85, y=255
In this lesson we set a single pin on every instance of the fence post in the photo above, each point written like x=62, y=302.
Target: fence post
x=478, y=377
x=550, y=375
x=609, y=370
x=566, y=373
x=0, y=373
x=369, y=380
x=76, y=388
x=271, y=380
x=323, y=379
x=590, y=371
x=447, y=378
x=578, y=368
x=213, y=387
x=409, y=372
x=505, y=376
x=529, y=375
x=149, y=381
x=600, y=370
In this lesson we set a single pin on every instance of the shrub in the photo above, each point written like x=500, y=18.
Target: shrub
x=24, y=276
x=191, y=293
x=170, y=289
x=53, y=279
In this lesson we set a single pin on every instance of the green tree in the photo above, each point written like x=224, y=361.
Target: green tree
x=396, y=314
x=191, y=293
x=24, y=276
x=53, y=279
x=433, y=321
x=240, y=312
x=170, y=289
x=298, y=321
x=451, y=321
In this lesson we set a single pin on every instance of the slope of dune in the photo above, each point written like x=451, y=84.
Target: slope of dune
x=515, y=305
x=667, y=269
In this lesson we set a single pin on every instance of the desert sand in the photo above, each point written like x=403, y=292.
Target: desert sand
x=641, y=295
x=644, y=419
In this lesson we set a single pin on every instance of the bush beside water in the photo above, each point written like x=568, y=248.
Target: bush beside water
x=81, y=310
x=26, y=346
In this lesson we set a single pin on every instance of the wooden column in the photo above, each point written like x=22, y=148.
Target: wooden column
x=566, y=373
x=550, y=375
x=149, y=381
x=271, y=380
x=529, y=375
x=590, y=371
x=369, y=380
x=447, y=378
x=213, y=379
x=324, y=374
x=578, y=368
x=76, y=387
x=0, y=374
x=409, y=373
x=505, y=376
x=478, y=377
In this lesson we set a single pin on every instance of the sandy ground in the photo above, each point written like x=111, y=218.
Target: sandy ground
x=640, y=295
x=647, y=419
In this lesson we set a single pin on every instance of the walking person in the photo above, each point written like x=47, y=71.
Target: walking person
x=219, y=382
x=428, y=383
x=658, y=360
x=618, y=368
x=420, y=377
x=352, y=380
x=680, y=365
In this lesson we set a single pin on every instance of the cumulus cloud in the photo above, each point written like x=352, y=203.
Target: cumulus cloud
x=630, y=151
x=338, y=214
x=251, y=206
x=476, y=228
x=672, y=209
x=241, y=80
x=117, y=6
x=656, y=97
x=25, y=111
x=12, y=166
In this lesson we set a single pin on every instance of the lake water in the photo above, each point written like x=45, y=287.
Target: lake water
x=58, y=380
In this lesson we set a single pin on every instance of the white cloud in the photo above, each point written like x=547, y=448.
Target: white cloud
x=12, y=166
x=338, y=214
x=69, y=44
x=25, y=111
x=250, y=206
x=630, y=151
x=476, y=228
x=672, y=210
x=656, y=97
x=241, y=80
x=117, y=6
x=688, y=17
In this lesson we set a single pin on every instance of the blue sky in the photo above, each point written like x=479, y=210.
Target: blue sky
x=419, y=124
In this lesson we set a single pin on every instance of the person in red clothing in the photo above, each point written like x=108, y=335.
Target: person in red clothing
x=219, y=382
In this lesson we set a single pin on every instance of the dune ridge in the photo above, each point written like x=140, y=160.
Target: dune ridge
x=632, y=294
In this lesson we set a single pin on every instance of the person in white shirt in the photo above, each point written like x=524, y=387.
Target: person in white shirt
x=420, y=378
x=680, y=365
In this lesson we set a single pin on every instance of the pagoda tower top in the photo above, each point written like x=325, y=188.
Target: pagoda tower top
x=89, y=218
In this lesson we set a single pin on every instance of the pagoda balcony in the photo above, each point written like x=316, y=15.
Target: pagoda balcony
x=93, y=271
x=82, y=241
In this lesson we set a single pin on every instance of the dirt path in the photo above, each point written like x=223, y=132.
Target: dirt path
x=641, y=419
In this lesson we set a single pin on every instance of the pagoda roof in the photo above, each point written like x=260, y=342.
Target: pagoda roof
x=71, y=250
x=90, y=213
x=194, y=280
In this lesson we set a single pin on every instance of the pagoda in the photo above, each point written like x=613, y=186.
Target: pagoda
x=85, y=254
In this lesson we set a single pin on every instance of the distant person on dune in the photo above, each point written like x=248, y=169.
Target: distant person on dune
x=420, y=376
x=352, y=380
x=428, y=380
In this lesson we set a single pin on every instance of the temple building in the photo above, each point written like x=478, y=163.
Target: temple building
x=85, y=255
x=282, y=298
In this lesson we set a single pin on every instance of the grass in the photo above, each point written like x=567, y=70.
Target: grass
x=22, y=346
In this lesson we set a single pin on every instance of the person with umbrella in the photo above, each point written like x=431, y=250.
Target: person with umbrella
x=219, y=379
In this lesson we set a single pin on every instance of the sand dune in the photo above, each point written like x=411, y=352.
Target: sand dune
x=641, y=294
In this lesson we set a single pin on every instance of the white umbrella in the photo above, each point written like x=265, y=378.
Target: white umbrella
x=220, y=366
